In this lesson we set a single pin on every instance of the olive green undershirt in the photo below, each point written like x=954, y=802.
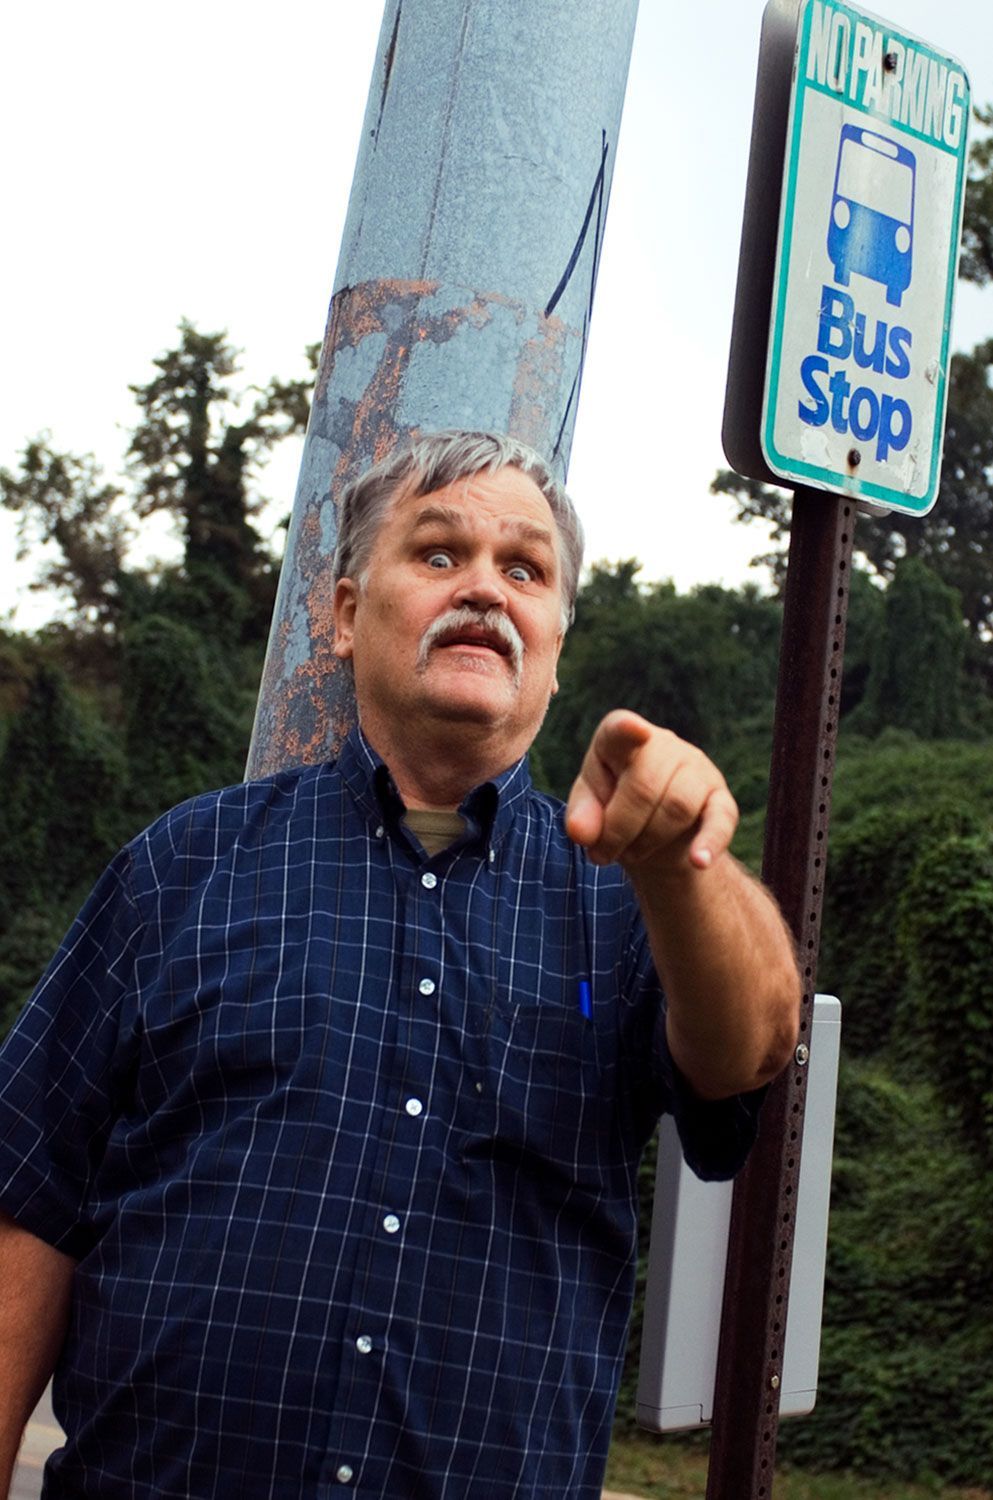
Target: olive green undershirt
x=435, y=830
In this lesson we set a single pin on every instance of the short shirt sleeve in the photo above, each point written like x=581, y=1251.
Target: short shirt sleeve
x=716, y=1135
x=64, y=1069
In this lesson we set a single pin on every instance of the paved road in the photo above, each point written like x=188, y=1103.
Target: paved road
x=44, y=1433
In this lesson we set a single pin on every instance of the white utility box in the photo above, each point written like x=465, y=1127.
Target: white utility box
x=688, y=1257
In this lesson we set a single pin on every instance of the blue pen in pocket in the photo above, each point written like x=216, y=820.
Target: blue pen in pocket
x=584, y=988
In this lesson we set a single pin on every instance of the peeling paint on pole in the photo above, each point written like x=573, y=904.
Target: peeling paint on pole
x=464, y=287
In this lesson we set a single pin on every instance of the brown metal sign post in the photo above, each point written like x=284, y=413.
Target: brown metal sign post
x=756, y=1290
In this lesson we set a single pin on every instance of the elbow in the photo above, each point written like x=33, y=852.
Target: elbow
x=783, y=1028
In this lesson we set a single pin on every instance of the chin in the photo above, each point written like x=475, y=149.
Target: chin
x=469, y=706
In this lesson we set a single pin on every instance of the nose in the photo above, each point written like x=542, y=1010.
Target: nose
x=481, y=586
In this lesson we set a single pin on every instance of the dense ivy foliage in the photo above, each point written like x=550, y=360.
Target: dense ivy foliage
x=906, y=1377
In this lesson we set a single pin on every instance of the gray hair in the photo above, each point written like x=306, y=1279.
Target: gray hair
x=432, y=462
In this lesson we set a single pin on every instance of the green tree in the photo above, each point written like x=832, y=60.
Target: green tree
x=947, y=929
x=63, y=507
x=915, y=677
x=896, y=801
x=702, y=663
x=977, y=226
x=905, y=1387
x=863, y=958
x=187, y=716
x=197, y=455
x=61, y=818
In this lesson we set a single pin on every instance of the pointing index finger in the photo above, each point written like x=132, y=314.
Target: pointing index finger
x=619, y=736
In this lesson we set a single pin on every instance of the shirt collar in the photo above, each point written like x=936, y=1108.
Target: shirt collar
x=488, y=809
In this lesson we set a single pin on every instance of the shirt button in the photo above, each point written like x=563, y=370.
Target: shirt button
x=413, y=1106
x=492, y=855
x=344, y=1474
x=429, y=880
x=379, y=834
x=426, y=986
x=364, y=1344
x=391, y=1223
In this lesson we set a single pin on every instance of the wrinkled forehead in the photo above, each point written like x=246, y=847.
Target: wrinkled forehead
x=433, y=512
x=506, y=497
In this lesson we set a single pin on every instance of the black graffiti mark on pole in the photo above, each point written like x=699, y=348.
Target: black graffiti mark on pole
x=596, y=198
x=387, y=71
x=596, y=201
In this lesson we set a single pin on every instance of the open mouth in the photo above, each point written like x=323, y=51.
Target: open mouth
x=480, y=640
x=475, y=640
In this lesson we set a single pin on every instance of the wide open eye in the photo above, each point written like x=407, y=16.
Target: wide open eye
x=519, y=573
x=438, y=560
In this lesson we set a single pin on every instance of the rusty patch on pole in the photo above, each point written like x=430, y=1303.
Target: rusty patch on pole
x=539, y=370
x=375, y=331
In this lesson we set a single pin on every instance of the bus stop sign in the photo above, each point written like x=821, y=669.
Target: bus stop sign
x=866, y=259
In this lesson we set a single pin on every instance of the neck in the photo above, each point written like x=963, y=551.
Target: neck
x=435, y=773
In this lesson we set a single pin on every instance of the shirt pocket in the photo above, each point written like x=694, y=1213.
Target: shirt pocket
x=542, y=1108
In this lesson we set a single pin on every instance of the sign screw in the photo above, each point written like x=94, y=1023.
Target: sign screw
x=854, y=458
x=802, y=1055
x=774, y=1382
x=889, y=62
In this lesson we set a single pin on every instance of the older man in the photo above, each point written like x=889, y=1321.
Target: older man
x=320, y=1135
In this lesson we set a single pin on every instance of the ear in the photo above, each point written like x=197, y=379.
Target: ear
x=346, y=595
x=558, y=653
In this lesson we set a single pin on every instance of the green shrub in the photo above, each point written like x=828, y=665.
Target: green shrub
x=906, y=1377
x=947, y=931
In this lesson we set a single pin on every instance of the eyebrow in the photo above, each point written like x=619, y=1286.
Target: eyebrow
x=448, y=515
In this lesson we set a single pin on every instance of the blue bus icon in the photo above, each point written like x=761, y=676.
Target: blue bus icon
x=872, y=211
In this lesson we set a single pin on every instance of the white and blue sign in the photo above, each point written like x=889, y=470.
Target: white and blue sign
x=866, y=263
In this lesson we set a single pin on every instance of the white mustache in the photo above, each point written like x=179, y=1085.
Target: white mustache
x=493, y=621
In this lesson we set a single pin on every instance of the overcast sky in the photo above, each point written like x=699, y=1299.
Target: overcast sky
x=158, y=164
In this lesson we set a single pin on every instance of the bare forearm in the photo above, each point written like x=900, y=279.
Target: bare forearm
x=726, y=962
x=659, y=807
x=35, y=1287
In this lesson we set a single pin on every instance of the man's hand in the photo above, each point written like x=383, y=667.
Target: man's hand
x=657, y=805
x=643, y=795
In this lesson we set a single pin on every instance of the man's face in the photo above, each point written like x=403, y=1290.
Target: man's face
x=460, y=618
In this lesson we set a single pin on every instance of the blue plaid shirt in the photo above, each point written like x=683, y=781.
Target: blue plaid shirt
x=349, y=1177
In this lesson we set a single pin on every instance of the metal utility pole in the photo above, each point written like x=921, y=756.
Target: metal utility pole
x=464, y=285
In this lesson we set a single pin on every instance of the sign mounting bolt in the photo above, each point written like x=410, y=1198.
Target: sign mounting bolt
x=889, y=62
x=854, y=458
x=802, y=1055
